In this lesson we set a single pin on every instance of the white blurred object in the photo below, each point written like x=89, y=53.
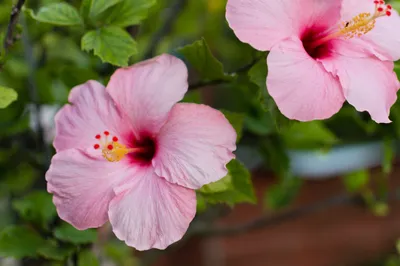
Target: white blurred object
x=9, y=262
x=338, y=160
x=320, y=165
x=46, y=117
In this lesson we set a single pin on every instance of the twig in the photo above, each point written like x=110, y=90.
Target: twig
x=202, y=84
x=9, y=38
x=243, y=69
x=165, y=28
x=268, y=220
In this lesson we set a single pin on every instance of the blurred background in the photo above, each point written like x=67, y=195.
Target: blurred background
x=321, y=193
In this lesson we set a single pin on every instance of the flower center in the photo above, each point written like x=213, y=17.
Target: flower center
x=357, y=26
x=113, y=151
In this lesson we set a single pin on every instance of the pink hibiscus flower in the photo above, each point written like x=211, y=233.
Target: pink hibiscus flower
x=323, y=52
x=130, y=154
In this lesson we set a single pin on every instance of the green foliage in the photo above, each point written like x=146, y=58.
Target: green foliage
x=356, y=181
x=258, y=74
x=7, y=96
x=193, y=96
x=234, y=188
x=200, y=57
x=19, y=180
x=19, y=241
x=111, y=44
x=87, y=258
x=68, y=233
x=37, y=207
x=236, y=120
x=99, y=6
x=282, y=194
x=129, y=12
x=271, y=120
x=389, y=154
x=61, y=14
x=54, y=251
x=308, y=135
x=120, y=254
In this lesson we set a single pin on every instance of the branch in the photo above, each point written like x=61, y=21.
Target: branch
x=165, y=28
x=9, y=39
x=268, y=220
x=202, y=84
x=243, y=69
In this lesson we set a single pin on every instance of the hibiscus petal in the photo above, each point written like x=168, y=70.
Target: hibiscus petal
x=194, y=146
x=385, y=37
x=147, y=91
x=92, y=111
x=152, y=213
x=368, y=84
x=263, y=23
x=300, y=86
x=82, y=183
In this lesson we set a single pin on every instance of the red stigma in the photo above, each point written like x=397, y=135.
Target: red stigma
x=376, y=2
x=98, y=136
x=382, y=2
x=389, y=7
x=115, y=139
x=380, y=9
x=110, y=147
x=96, y=146
x=388, y=13
x=106, y=133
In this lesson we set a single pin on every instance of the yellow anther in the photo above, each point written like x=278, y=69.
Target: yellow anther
x=115, y=152
x=358, y=26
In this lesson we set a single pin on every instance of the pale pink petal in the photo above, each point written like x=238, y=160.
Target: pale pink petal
x=384, y=38
x=194, y=146
x=151, y=213
x=82, y=183
x=368, y=84
x=147, y=91
x=300, y=86
x=263, y=23
x=91, y=112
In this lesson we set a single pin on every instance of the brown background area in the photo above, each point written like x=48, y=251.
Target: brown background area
x=344, y=235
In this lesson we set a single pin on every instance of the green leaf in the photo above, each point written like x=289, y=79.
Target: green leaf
x=19, y=242
x=61, y=14
x=120, y=253
x=19, y=179
x=356, y=181
x=87, y=258
x=68, y=233
x=200, y=57
x=129, y=12
x=112, y=44
x=234, y=188
x=282, y=194
x=53, y=251
x=84, y=10
x=262, y=126
x=7, y=96
x=389, y=154
x=193, y=96
x=201, y=203
x=258, y=74
x=275, y=155
x=99, y=6
x=306, y=135
x=36, y=207
x=236, y=120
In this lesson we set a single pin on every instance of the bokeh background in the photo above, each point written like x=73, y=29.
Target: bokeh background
x=322, y=193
